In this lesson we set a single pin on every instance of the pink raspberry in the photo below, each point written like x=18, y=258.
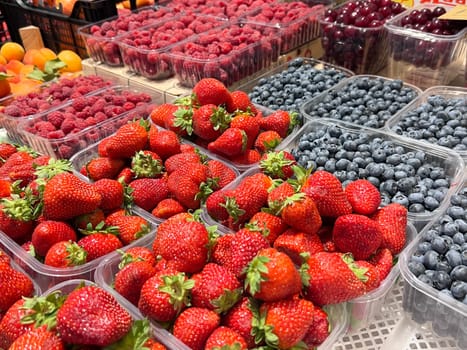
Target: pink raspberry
x=56, y=118
x=56, y=134
x=68, y=125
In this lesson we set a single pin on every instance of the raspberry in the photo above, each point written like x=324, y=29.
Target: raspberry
x=56, y=134
x=56, y=118
x=100, y=117
x=90, y=121
x=43, y=125
x=12, y=111
x=79, y=103
x=65, y=151
x=128, y=106
x=68, y=125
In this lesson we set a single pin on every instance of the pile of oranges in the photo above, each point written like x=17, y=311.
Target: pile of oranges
x=16, y=65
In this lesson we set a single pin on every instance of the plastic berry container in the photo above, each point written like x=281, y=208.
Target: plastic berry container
x=442, y=159
x=104, y=277
x=71, y=140
x=362, y=96
x=237, y=61
x=298, y=25
x=159, y=334
x=46, y=276
x=145, y=51
x=422, y=58
x=101, y=38
x=429, y=308
x=417, y=118
x=14, y=264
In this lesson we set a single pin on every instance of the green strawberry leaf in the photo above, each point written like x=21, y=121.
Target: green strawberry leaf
x=4, y=76
x=256, y=271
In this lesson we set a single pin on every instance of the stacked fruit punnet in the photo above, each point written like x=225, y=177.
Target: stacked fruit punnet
x=165, y=176
x=225, y=122
x=87, y=317
x=57, y=217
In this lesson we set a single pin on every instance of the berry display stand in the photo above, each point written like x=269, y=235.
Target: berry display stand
x=391, y=330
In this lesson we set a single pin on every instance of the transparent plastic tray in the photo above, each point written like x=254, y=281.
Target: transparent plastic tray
x=74, y=141
x=14, y=264
x=446, y=92
x=421, y=58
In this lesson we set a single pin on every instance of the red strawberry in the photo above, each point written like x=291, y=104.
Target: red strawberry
x=267, y=141
x=38, y=338
x=383, y=260
x=225, y=337
x=240, y=101
x=220, y=172
x=181, y=161
x=167, y=208
x=91, y=219
x=18, y=228
x=301, y=213
x=129, y=280
x=11, y=326
x=279, y=121
x=165, y=143
x=160, y=113
x=131, y=228
x=215, y=205
x=183, y=244
x=286, y=321
x=186, y=186
x=270, y=226
x=65, y=254
x=112, y=194
x=326, y=191
x=15, y=285
x=4, y=258
x=371, y=276
x=137, y=253
x=99, y=244
x=209, y=122
x=356, y=234
x=129, y=139
x=278, y=195
x=210, y=90
x=272, y=276
x=250, y=156
x=215, y=288
x=104, y=168
x=194, y=326
x=126, y=175
x=231, y=143
x=249, y=124
x=293, y=243
x=363, y=196
x=49, y=232
x=329, y=278
x=319, y=330
x=147, y=193
x=66, y=196
x=92, y=316
x=146, y=164
x=176, y=121
x=392, y=221
x=240, y=318
x=278, y=165
x=5, y=188
x=164, y=295
x=6, y=150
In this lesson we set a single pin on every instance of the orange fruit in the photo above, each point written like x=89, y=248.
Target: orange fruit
x=3, y=60
x=48, y=53
x=71, y=59
x=5, y=88
x=14, y=66
x=12, y=51
x=35, y=58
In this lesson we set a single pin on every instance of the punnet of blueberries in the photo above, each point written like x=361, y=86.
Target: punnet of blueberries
x=295, y=82
x=439, y=119
x=417, y=179
x=364, y=100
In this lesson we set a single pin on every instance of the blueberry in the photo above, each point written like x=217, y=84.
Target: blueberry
x=401, y=199
x=425, y=279
x=416, y=268
x=441, y=280
x=439, y=245
x=431, y=203
x=453, y=257
x=459, y=289
x=458, y=238
x=430, y=259
x=450, y=228
x=459, y=273
x=456, y=212
x=423, y=247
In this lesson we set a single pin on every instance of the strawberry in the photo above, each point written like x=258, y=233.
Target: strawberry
x=91, y=219
x=38, y=338
x=272, y=276
x=165, y=143
x=129, y=280
x=11, y=326
x=181, y=160
x=356, y=234
x=371, y=276
x=211, y=90
x=278, y=195
x=392, y=221
x=6, y=150
x=167, y=208
x=99, y=244
x=270, y=226
x=65, y=254
x=126, y=175
x=383, y=261
x=294, y=243
x=209, y=122
x=240, y=318
x=164, y=295
x=5, y=188
x=49, y=232
x=363, y=196
x=147, y=193
x=250, y=156
x=300, y=212
x=331, y=278
x=177, y=121
x=319, y=330
x=19, y=228
x=220, y=172
x=326, y=191
x=231, y=143
x=182, y=243
x=278, y=165
x=129, y=139
x=101, y=151
x=160, y=113
x=267, y=141
x=4, y=258
x=92, y=316
x=131, y=228
x=23, y=156
x=286, y=321
x=66, y=196
x=15, y=285
x=194, y=326
x=249, y=124
x=240, y=101
x=104, y=168
x=146, y=164
x=215, y=205
x=137, y=253
x=279, y=121
x=215, y=288
x=225, y=337
x=112, y=194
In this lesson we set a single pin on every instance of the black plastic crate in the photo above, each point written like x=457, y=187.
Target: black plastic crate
x=4, y=34
x=59, y=32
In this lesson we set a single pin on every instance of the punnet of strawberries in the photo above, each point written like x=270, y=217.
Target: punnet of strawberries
x=225, y=122
x=59, y=218
x=84, y=316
